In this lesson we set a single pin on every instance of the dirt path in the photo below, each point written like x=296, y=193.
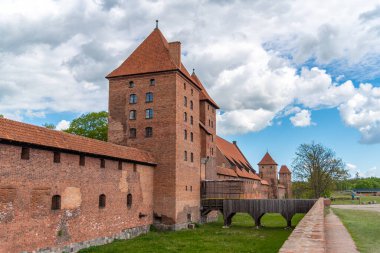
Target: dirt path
x=338, y=240
x=374, y=207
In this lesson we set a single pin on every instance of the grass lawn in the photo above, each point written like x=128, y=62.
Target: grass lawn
x=354, y=202
x=211, y=237
x=364, y=227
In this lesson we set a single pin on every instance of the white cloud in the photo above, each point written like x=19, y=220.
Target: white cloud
x=301, y=119
x=63, y=125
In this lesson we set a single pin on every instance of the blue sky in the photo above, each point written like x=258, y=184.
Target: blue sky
x=283, y=72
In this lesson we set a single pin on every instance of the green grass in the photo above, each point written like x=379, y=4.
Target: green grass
x=211, y=237
x=364, y=228
x=364, y=199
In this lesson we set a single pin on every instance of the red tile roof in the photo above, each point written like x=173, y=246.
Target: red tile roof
x=281, y=186
x=284, y=170
x=232, y=152
x=152, y=55
x=226, y=171
x=13, y=131
x=267, y=160
x=265, y=182
x=203, y=95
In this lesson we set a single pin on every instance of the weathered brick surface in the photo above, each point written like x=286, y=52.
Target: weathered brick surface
x=309, y=235
x=27, y=186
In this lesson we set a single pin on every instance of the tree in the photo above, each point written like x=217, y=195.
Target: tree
x=49, y=125
x=1, y=116
x=319, y=167
x=92, y=125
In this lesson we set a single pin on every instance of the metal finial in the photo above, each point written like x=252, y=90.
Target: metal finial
x=156, y=24
x=193, y=70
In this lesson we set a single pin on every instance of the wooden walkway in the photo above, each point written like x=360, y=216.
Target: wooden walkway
x=257, y=208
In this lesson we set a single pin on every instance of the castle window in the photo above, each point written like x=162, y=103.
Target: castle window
x=185, y=156
x=185, y=134
x=149, y=97
x=131, y=84
x=191, y=157
x=57, y=157
x=149, y=113
x=102, y=201
x=184, y=86
x=132, y=133
x=132, y=114
x=120, y=166
x=82, y=160
x=185, y=116
x=191, y=105
x=186, y=188
x=191, y=137
x=25, y=153
x=192, y=92
x=133, y=99
x=152, y=82
x=191, y=120
x=102, y=163
x=134, y=167
x=148, y=132
x=56, y=202
x=129, y=200
x=191, y=188
x=185, y=101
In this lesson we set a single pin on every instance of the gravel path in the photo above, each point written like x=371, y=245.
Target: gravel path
x=373, y=207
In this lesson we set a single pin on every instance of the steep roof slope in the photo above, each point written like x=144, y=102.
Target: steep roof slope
x=13, y=131
x=203, y=95
x=267, y=160
x=232, y=152
x=284, y=170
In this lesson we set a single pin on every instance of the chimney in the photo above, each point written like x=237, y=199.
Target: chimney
x=234, y=142
x=175, y=52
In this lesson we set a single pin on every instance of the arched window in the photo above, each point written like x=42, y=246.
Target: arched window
x=191, y=105
x=102, y=201
x=185, y=156
x=133, y=99
x=184, y=86
x=191, y=120
x=185, y=134
x=191, y=157
x=185, y=101
x=131, y=84
x=149, y=97
x=149, y=113
x=191, y=137
x=56, y=202
x=148, y=132
x=132, y=114
x=129, y=200
x=185, y=116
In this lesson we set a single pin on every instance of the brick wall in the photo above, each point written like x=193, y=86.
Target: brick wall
x=309, y=235
x=27, y=187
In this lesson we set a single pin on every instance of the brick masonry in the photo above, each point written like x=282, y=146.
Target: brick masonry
x=27, y=187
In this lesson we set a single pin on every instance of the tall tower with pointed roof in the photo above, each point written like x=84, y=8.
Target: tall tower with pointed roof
x=268, y=172
x=285, y=178
x=156, y=105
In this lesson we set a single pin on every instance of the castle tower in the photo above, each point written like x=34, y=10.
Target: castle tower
x=268, y=172
x=285, y=178
x=155, y=105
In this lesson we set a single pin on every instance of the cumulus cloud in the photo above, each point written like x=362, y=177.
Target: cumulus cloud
x=267, y=62
x=301, y=119
x=63, y=125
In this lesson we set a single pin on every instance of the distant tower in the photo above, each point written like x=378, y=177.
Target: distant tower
x=268, y=172
x=286, y=180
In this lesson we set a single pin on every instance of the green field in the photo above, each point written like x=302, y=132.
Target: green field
x=348, y=201
x=364, y=227
x=211, y=237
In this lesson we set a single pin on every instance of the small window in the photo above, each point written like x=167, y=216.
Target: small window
x=149, y=113
x=185, y=101
x=152, y=82
x=186, y=188
x=148, y=132
x=185, y=134
x=191, y=120
x=120, y=166
x=25, y=153
x=129, y=200
x=82, y=160
x=131, y=84
x=191, y=188
x=185, y=116
x=149, y=97
x=57, y=157
x=102, y=201
x=102, y=163
x=133, y=99
x=191, y=137
x=132, y=114
x=56, y=202
x=184, y=86
x=134, y=167
x=191, y=105
x=185, y=156
x=132, y=133
x=191, y=157
x=192, y=92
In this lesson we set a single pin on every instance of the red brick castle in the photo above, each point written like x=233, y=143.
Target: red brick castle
x=65, y=192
